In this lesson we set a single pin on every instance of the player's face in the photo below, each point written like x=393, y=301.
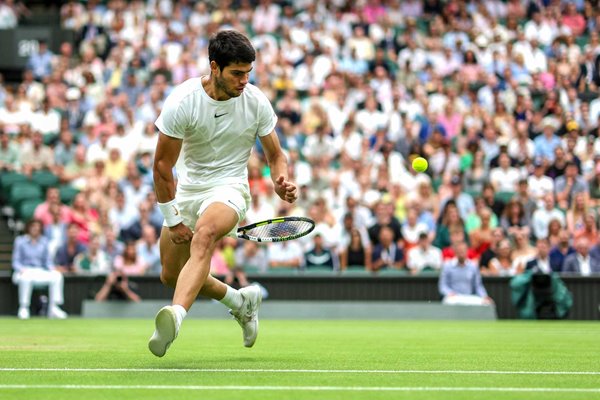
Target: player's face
x=232, y=79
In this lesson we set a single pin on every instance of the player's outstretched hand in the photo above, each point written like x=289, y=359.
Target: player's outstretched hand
x=180, y=234
x=286, y=190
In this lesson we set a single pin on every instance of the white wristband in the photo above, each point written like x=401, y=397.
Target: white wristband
x=171, y=212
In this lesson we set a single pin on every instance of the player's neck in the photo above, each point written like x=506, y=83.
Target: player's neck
x=212, y=89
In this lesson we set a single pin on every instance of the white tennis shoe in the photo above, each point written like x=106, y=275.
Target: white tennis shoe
x=247, y=315
x=166, y=331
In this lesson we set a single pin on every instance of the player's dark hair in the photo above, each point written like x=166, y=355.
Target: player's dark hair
x=230, y=47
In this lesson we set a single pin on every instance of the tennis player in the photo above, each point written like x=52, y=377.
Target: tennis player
x=208, y=126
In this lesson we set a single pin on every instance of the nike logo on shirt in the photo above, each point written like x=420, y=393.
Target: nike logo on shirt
x=219, y=115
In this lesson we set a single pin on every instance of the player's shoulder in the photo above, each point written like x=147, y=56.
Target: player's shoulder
x=253, y=92
x=190, y=87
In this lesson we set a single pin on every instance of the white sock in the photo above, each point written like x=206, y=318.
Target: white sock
x=233, y=298
x=180, y=313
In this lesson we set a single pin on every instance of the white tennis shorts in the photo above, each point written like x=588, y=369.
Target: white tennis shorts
x=193, y=203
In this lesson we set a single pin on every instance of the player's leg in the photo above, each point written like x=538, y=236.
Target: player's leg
x=216, y=221
x=173, y=257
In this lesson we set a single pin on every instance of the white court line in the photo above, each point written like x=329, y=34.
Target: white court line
x=307, y=371
x=309, y=388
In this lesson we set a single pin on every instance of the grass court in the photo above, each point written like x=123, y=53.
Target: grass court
x=108, y=359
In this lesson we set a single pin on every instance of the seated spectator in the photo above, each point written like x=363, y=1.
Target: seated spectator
x=462, y=200
x=32, y=267
x=539, y=184
x=554, y=229
x=503, y=263
x=285, y=255
x=94, y=261
x=37, y=156
x=412, y=229
x=259, y=209
x=589, y=230
x=474, y=219
x=148, y=250
x=71, y=248
x=560, y=251
x=486, y=257
x=457, y=235
x=123, y=214
x=541, y=262
x=423, y=256
x=83, y=216
x=460, y=281
x=55, y=231
x=387, y=253
x=450, y=221
x=577, y=212
x=523, y=251
x=580, y=262
x=504, y=178
x=480, y=239
x=42, y=211
x=525, y=198
x=221, y=261
x=134, y=231
x=514, y=220
x=250, y=255
x=318, y=256
x=569, y=185
x=10, y=154
x=542, y=217
x=384, y=213
x=357, y=252
x=129, y=264
x=112, y=246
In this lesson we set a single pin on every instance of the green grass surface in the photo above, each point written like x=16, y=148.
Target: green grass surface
x=373, y=360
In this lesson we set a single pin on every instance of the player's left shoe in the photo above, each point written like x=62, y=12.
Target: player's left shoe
x=166, y=331
x=247, y=315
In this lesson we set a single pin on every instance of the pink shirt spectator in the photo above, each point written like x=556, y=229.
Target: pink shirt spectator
x=42, y=212
x=576, y=22
x=470, y=72
x=451, y=123
x=129, y=269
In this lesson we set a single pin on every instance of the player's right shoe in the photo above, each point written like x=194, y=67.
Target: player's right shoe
x=247, y=315
x=165, y=332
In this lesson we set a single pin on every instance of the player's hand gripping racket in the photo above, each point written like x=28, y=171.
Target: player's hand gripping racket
x=277, y=229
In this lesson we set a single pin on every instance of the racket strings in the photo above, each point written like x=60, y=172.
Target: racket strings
x=280, y=229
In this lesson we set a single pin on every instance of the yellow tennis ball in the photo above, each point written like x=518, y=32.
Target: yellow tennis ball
x=420, y=164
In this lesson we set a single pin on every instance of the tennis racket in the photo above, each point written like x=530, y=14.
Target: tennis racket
x=277, y=229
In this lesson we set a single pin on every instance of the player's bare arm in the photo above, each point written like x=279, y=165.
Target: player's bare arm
x=285, y=189
x=167, y=152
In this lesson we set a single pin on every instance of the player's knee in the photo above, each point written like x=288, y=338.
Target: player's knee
x=204, y=237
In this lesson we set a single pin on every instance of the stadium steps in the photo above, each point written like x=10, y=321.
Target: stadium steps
x=6, y=246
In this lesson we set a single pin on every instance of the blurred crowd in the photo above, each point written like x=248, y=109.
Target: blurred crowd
x=501, y=97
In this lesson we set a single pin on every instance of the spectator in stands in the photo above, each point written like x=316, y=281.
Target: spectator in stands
x=541, y=262
x=460, y=281
x=71, y=248
x=356, y=252
x=560, y=251
x=40, y=62
x=514, y=220
x=589, y=229
x=502, y=264
x=569, y=185
x=387, y=254
x=462, y=200
x=43, y=211
x=64, y=151
x=490, y=253
x=581, y=262
x=112, y=246
x=539, y=184
x=123, y=214
x=10, y=155
x=37, y=156
x=84, y=216
x=542, y=217
x=32, y=267
x=554, y=229
x=285, y=255
x=450, y=221
x=147, y=248
x=250, y=256
x=384, y=213
x=480, y=239
x=504, y=178
x=259, y=209
x=126, y=265
x=94, y=261
x=423, y=256
x=318, y=255
x=577, y=212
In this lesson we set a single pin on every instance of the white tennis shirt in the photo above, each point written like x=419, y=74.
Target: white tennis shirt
x=217, y=135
